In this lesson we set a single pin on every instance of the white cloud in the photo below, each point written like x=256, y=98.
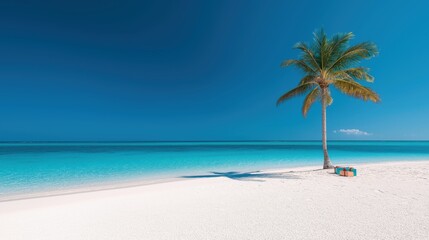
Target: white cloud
x=353, y=131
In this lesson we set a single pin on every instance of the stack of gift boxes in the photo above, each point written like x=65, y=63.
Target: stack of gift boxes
x=345, y=171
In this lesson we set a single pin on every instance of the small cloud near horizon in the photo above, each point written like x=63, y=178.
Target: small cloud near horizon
x=353, y=131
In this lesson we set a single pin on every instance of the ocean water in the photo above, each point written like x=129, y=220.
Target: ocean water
x=28, y=168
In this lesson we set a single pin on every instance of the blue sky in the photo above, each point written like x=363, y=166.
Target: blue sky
x=200, y=70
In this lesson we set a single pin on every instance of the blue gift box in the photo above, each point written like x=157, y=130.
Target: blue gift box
x=339, y=169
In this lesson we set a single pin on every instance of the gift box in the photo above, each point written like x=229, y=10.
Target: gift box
x=339, y=169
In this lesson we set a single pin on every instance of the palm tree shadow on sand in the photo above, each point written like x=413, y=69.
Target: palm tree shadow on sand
x=256, y=176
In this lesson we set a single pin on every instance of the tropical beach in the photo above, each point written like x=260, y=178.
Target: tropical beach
x=214, y=120
x=386, y=201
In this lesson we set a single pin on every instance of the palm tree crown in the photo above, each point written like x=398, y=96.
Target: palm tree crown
x=330, y=61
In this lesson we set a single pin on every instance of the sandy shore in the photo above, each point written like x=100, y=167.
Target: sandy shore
x=386, y=201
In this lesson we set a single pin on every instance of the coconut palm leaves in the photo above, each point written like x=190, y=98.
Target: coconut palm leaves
x=330, y=62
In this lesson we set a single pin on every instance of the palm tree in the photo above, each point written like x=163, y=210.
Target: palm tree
x=330, y=62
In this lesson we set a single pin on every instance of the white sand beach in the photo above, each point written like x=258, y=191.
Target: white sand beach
x=385, y=201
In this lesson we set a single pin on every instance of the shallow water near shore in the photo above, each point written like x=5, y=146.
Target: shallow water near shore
x=27, y=168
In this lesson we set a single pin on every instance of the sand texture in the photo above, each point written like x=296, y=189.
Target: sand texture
x=385, y=201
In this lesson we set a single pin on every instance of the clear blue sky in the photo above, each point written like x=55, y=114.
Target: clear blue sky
x=200, y=70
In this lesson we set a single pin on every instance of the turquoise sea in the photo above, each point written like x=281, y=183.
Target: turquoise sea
x=27, y=168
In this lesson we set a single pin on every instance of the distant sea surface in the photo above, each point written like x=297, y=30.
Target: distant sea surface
x=27, y=168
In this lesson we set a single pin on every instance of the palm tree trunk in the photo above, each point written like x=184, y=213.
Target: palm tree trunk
x=326, y=161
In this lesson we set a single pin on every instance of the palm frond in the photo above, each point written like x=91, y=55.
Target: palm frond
x=356, y=90
x=299, y=64
x=311, y=98
x=299, y=90
x=359, y=73
x=308, y=55
x=338, y=44
x=328, y=98
x=306, y=79
x=321, y=47
x=354, y=55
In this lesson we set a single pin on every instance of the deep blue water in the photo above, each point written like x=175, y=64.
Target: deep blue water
x=33, y=167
